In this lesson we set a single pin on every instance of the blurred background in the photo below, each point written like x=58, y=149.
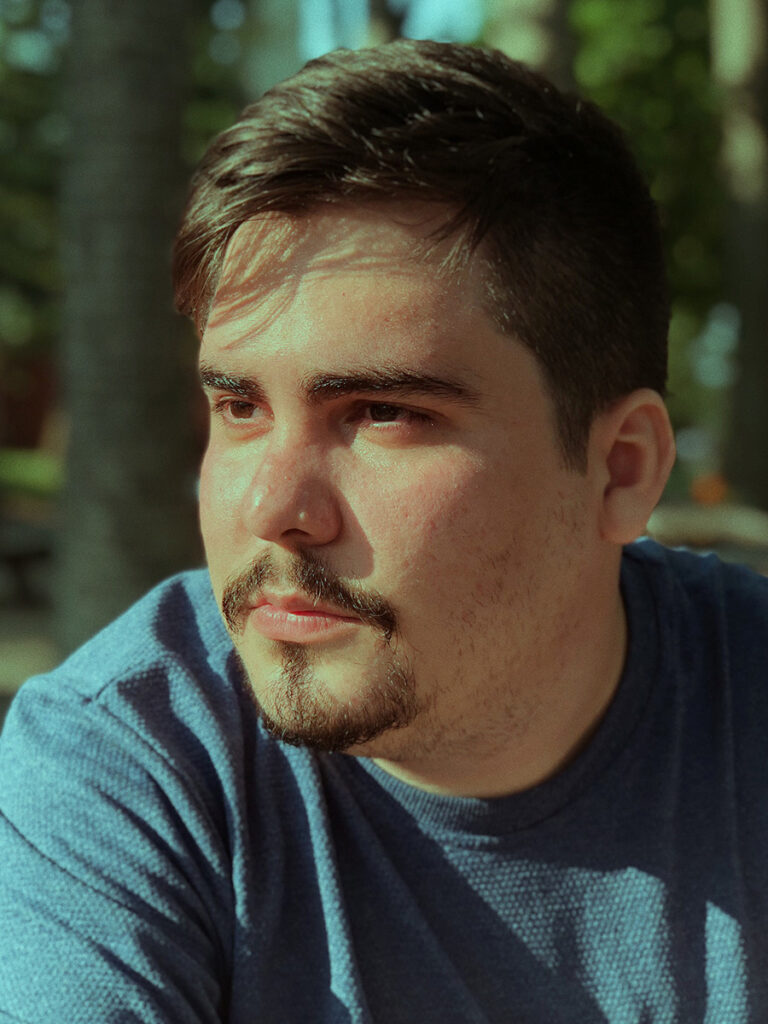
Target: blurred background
x=105, y=109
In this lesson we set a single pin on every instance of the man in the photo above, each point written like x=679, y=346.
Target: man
x=432, y=740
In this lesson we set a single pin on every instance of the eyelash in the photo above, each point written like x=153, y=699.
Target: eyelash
x=407, y=414
x=223, y=406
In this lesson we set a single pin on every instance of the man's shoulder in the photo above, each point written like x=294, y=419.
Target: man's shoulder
x=700, y=573
x=163, y=661
x=157, y=693
x=711, y=600
x=174, y=627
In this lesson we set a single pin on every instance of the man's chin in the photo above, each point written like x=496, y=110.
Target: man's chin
x=300, y=707
x=342, y=737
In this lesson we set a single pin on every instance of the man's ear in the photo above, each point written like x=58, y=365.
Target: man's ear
x=632, y=449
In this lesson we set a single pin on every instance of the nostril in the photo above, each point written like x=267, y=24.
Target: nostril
x=292, y=502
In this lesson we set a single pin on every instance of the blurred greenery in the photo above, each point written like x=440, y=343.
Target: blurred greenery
x=29, y=472
x=32, y=132
x=646, y=62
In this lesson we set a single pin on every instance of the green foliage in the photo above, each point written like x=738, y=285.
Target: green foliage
x=32, y=132
x=646, y=62
x=33, y=139
x=215, y=98
x=34, y=473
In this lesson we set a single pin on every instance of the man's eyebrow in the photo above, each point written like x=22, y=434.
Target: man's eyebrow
x=324, y=387
x=389, y=381
x=236, y=384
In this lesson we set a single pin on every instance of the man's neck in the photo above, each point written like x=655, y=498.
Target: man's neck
x=557, y=728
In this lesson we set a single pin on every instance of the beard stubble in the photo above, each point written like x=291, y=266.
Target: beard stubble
x=302, y=711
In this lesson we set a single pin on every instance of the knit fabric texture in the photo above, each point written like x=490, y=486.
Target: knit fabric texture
x=162, y=859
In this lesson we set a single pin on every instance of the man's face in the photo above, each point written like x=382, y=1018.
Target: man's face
x=401, y=556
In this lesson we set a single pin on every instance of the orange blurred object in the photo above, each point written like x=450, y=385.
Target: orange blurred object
x=709, y=489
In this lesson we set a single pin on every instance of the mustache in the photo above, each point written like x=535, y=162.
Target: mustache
x=315, y=581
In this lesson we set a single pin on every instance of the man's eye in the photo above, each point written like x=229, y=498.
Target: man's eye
x=385, y=412
x=235, y=409
x=382, y=413
x=241, y=410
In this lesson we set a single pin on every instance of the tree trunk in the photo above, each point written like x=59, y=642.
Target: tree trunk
x=128, y=511
x=740, y=60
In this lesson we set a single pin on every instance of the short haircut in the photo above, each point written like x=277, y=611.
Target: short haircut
x=538, y=181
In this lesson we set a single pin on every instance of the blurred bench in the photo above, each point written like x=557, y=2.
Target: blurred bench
x=23, y=545
x=737, y=533
x=29, y=480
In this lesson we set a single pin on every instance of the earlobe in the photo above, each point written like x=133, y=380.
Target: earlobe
x=633, y=449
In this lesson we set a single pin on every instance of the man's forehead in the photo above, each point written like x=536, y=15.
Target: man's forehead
x=270, y=256
x=275, y=251
x=340, y=230
x=373, y=315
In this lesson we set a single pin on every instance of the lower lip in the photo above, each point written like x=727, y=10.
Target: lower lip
x=299, y=627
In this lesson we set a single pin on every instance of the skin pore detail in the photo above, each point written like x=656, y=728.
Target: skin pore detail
x=369, y=419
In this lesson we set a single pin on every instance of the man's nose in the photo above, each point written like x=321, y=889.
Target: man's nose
x=291, y=499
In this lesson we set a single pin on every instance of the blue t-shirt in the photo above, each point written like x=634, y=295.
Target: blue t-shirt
x=162, y=859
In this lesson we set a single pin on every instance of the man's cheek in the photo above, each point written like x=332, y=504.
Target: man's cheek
x=435, y=542
x=222, y=498
x=427, y=496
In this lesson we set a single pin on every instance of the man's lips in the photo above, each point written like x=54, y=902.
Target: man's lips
x=296, y=619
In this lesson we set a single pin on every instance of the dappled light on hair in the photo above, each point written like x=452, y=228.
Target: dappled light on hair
x=537, y=182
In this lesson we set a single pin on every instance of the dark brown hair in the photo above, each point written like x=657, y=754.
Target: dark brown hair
x=541, y=182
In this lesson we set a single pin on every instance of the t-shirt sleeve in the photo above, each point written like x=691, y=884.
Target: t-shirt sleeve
x=113, y=890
